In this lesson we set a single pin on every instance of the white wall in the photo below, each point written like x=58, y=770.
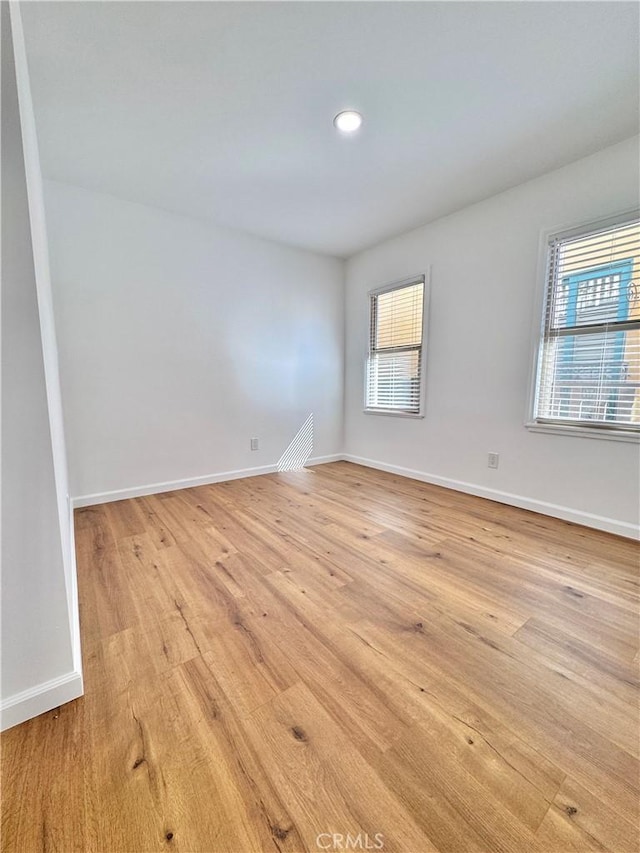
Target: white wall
x=179, y=341
x=40, y=646
x=484, y=275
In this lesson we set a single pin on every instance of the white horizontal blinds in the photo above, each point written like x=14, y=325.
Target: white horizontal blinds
x=395, y=348
x=589, y=369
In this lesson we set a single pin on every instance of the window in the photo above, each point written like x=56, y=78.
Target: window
x=394, y=362
x=589, y=356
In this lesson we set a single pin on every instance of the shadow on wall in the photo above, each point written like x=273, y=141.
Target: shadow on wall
x=300, y=448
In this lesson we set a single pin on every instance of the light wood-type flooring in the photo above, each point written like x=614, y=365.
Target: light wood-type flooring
x=333, y=659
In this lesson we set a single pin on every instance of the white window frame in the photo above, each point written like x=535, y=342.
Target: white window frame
x=396, y=285
x=578, y=431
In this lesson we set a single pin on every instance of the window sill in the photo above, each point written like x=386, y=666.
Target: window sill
x=391, y=412
x=584, y=432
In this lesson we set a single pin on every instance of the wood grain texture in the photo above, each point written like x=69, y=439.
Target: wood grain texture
x=275, y=664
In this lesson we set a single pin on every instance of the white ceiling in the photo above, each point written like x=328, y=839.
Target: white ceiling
x=224, y=110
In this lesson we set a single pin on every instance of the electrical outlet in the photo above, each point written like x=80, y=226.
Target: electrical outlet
x=493, y=460
x=254, y=444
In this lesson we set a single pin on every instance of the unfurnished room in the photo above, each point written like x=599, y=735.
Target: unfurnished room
x=320, y=426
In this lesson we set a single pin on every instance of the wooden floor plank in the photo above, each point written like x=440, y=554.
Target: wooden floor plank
x=275, y=663
x=329, y=786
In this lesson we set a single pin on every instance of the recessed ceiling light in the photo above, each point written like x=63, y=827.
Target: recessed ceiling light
x=348, y=121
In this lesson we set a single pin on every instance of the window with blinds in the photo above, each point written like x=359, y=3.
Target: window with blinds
x=589, y=358
x=394, y=363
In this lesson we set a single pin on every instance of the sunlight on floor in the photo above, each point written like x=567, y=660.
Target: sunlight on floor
x=300, y=448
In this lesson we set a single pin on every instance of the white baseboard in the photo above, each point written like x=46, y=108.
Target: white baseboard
x=599, y=522
x=323, y=460
x=174, y=485
x=39, y=699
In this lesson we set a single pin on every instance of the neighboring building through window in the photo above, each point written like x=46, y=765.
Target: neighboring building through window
x=589, y=357
x=394, y=363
